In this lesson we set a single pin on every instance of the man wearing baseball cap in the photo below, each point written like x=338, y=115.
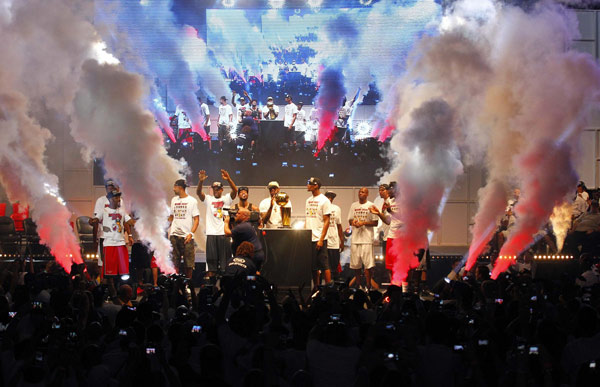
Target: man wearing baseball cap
x=101, y=203
x=184, y=220
x=269, y=210
x=114, y=221
x=218, y=247
x=270, y=111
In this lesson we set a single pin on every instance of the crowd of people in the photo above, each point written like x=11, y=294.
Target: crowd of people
x=64, y=329
x=235, y=328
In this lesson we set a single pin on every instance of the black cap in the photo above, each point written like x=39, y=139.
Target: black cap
x=113, y=193
x=242, y=188
x=217, y=184
x=288, y=96
x=314, y=181
x=384, y=186
x=330, y=194
x=181, y=183
x=110, y=182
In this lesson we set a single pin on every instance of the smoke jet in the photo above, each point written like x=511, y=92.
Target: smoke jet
x=110, y=121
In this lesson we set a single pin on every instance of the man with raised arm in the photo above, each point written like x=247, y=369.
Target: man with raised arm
x=218, y=248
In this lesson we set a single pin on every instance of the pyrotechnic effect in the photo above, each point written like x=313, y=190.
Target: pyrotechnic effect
x=511, y=113
x=26, y=179
x=561, y=222
x=328, y=103
x=110, y=121
x=146, y=39
x=43, y=44
x=428, y=168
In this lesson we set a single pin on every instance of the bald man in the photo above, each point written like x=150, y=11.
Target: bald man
x=363, y=223
x=243, y=231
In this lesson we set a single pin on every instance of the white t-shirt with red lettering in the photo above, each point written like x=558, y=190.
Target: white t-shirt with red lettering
x=112, y=222
x=183, y=211
x=215, y=213
x=360, y=212
x=317, y=207
x=333, y=238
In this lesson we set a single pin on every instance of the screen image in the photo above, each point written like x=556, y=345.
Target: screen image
x=269, y=66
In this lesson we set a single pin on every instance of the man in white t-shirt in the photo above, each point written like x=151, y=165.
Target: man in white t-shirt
x=390, y=215
x=206, y=120
x=184, y=125
x=289, y=119
x=335, y=236
x=300, y=128
x=318, y=214
x=218, y=246
x=270, y=212
x=101, y=203
x=184, y=220
x=224, y=121
x=270, y=110
x=382, y=228
x=240, y=108
x=114, y=222
x=363, y=223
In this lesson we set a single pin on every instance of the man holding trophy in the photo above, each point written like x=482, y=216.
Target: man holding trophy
x=273, y=208
x=270, y=110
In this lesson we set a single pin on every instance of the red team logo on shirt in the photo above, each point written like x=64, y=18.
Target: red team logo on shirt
x=218, y=209
x=117, y=226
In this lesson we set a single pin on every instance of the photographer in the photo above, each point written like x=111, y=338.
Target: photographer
x=270, y=111
x=242, y=264
x=244, y=232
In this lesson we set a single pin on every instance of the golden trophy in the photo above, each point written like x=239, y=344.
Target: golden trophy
x=286, y=212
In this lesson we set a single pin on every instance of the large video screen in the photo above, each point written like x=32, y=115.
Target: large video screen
x=268, y=54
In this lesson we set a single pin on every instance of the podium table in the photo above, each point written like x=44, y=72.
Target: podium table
x=287, y=253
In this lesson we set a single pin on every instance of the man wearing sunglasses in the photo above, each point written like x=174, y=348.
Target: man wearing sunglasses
x=318, y=213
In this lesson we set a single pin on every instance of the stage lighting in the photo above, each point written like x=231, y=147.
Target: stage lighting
x=314, y=3
x=228, y=3
x=125, y=277
x=365, y=2
x=363, y=130
x=276, y=3
x=298, y=225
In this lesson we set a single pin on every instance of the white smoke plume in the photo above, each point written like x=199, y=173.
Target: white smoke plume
x=111, y=122
x=552, y=112
x=43, y=43
x=520, y=101
x=25, y=178
x=428, y=165
x=146, y=39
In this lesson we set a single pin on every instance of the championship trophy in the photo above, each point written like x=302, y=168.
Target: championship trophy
x=286, y=212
